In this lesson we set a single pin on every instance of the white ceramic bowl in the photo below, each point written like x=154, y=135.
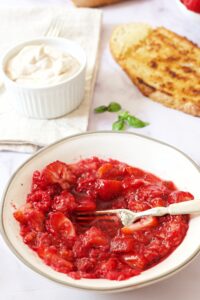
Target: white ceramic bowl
x=49, y=101
x=161, y=159
x=188, y=13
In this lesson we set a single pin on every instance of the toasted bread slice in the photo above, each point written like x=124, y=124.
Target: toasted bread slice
x=94, y=3
x=162, y=64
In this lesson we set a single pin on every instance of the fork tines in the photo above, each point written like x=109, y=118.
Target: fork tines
x=55, y=28
x=91, y=216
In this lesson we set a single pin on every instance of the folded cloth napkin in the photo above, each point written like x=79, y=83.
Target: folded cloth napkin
x=17, y=132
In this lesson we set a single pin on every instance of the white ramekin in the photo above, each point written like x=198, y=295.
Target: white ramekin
x=49, y=101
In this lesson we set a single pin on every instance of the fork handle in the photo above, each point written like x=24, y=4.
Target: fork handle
x=186, y=207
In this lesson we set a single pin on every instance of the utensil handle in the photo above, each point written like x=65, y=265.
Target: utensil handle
x=186, y=207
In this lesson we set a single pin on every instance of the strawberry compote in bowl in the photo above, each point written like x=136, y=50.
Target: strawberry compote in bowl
x=41, y=209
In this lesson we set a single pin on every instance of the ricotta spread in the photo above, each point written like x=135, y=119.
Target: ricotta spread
x=41, y=65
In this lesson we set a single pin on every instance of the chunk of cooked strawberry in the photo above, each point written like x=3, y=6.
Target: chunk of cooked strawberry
x=86, y=185
x=122, y=274
x=150, y=191
x=132, y=184
x=110, y=171
x=137, y=173
x=58, y=223
x=21, y=213
x=79, y=248
x=98, y=254
x=122, y=244
x=169, y=185
x=37, y=181
x=109, y=265
x=179, y=196
x=85, y=202
x=35, y=220
x=44, y=241
x=86, y=206
x=108, y=189
x=105, y=171
x=53, y=190
x=158, y=202
x=30, y=216
x=40, y=199
x=59, y=172
x=30, y=238
x=114, y=269
x=144, y=224
x=152, y=178
x=95, y=237
x=90, y=165
x=51, y=258
x=155, y=250
x=66, y=253
x=79, y=274
x=136, y=205
x=135, y=261
x=85, y=264
x=65, y=202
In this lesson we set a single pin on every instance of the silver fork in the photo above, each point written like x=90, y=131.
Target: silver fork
x=55, y=28
x=128, y=217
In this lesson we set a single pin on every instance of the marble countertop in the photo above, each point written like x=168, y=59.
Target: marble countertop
x=173, y=127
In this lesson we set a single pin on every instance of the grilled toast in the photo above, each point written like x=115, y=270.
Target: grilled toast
x=94, y=3
x=163, y=65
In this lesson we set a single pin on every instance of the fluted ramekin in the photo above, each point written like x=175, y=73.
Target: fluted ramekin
x=50, y=101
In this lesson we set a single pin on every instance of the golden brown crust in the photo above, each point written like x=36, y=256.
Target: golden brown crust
x=94, y=3
x=167, y=100
x=164, y=66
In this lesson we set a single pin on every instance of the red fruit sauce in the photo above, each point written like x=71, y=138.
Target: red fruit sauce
x=99, y=248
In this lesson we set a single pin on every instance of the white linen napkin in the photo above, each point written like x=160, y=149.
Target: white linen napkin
x=17, y=132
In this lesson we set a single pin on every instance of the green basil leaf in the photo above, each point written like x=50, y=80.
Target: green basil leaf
x=114, y=107
x=123, y=115
x=119, y=125
x=100, y=109
x=135, y=122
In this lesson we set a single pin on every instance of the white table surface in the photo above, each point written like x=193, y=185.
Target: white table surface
x=176, y=128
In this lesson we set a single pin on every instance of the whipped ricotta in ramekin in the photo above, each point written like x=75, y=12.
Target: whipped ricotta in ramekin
x=48, y=76
x=41, y=65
